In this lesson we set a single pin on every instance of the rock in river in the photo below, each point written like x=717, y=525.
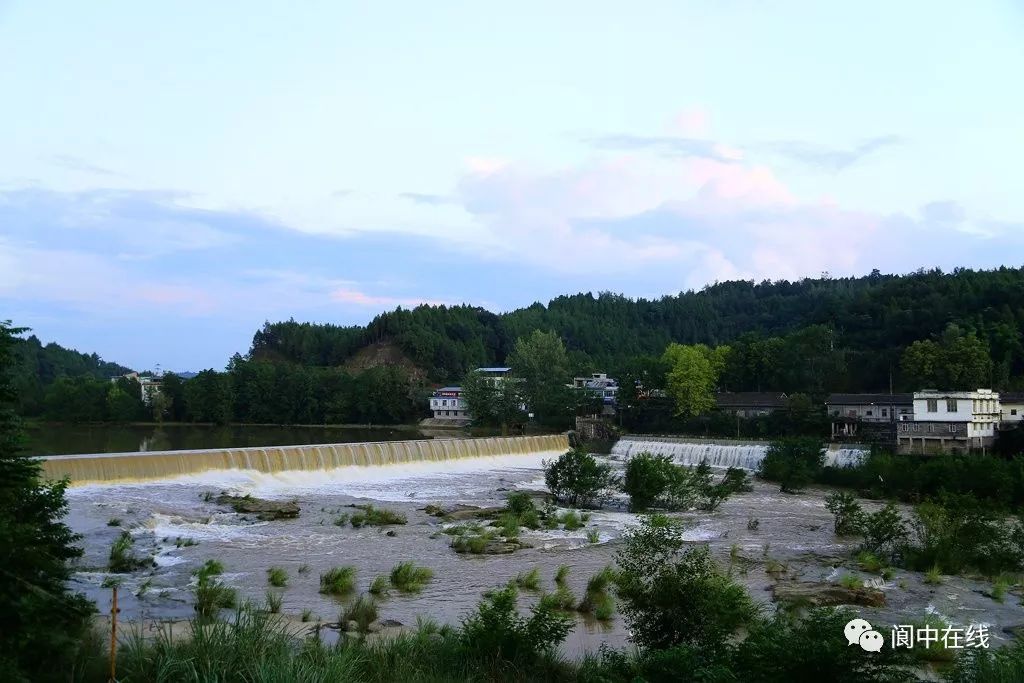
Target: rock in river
x=266, y=510
x=827, y=595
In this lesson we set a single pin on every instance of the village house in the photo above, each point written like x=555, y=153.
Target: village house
x=1011, y=408
x=950, y=422
x=871, y=416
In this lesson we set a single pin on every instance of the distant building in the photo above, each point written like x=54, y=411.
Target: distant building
x=600, y=384
x=751, y=403
x=150, y=385
x=950, y=422
x=1011, y=408
x=447, y=404
x=494, y=375
x=872, y=416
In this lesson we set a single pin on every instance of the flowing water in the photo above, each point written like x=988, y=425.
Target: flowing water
x=746, y=456
x=794, y=530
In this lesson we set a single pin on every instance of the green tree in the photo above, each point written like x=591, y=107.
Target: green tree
x=693, y=376
x=670, y=597
x=793, y=462
x=957, y=360
x=541, y=365
x=577, y=478
x=43, y=621
x=209, y=397
x=173, y=406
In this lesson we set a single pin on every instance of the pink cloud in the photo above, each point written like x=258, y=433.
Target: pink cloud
x=357, y=298
x=691, y=122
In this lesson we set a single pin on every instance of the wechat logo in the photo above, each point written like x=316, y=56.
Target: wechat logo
x=859, y=632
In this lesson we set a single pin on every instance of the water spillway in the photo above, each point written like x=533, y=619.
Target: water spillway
x=746, y=456
x=147, y=466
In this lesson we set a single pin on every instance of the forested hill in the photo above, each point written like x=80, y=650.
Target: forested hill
x=813, y=334
x=36, y=367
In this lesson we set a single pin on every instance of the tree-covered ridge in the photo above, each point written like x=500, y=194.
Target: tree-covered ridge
x=36, y=367
x=815, y=335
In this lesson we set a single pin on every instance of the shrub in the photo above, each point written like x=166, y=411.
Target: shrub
x=851, y=581
x=571, y=521
x=596, y=600
x=884, y=532
x=670, y=597
x=371, y=516
x=498, y=632
x=520, y=503
x=593, y=536
x=869, y=562
x=562, y=599
x=933, y=576
x=577, y=478
x=999, y=588
x=410, y=578
x=529, y=580
x=338, y=580
x=363, y=611
x=307, y=615
x=509, y=525
x=793, y=462
x=277, y=577
x=848, y=514
x=380, y=585
x=654, y=480
x=562, y=574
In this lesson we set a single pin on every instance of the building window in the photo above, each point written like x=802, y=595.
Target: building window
x=1013, y=411
x=951, y=405
x=905, y=428
x=931, y=428
x=952, y=429
x=917, y=428
x=869, y=413
x=885, y=412
x=933, y=405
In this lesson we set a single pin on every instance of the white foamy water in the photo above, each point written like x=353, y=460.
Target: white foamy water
x=719, y=455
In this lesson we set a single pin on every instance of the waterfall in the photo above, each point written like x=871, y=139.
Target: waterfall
x=145, y=466
x=747, y=456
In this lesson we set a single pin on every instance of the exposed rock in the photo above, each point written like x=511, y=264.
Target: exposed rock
x=390, y=623
x=391, y=533
x=494, y=546
x=266, y=510
x=374, y=627
x=827, y=595
x=462, y=512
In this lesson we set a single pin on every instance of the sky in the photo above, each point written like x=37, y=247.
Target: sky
x=174, y=174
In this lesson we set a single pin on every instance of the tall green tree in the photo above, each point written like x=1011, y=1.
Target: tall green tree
x=209, y=397
x=693, y=376
x=541, y=365
x=958, y=359
x=42, y=621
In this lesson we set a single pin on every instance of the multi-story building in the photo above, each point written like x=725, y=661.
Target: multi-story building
x=950, y=421
x=868, y=416
x=494, y=375
x=600, y=384
x=447, y=404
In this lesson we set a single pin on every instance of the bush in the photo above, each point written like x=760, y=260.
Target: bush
x=794, y=463
x=338, y=580
x=273, y=601
x=520, y=503
x=571, y=521
x=577, y=478
x=670, y=597
x=122, y=558
x=497, y=631
x=654, y=480
x=848, y=514
x=277, y=577
x=410, y=578
x=884, y=532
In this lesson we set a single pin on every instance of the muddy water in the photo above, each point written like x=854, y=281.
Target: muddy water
x=794, y=530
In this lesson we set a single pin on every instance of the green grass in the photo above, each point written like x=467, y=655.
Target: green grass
x=593, y=536
x=999, y=587
x=474, y=543
x=341, y=520
x=338, y=580
x=307, y=615
x=122, y=558
x=211, y=594
x=369, y=515
x=561, y=599
x=870, y=562
x=211, y=568
x=409, y=577
x=185, y=542
x=597, y=600
x=851, y=581
x=113, y=521
x=933, y=577
x=277, y=577
x=934, y=652
x=380, y=585
x=571, y=521
x=363, y=611
x=774, y=568
x=508, y=523
x=562, y=574
x=273, y=601
x=529, y=580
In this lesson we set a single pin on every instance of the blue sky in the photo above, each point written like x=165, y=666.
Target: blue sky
x=172, y=175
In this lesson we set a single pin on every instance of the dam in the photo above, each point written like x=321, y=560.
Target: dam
x=103, y=468
x=722, y=454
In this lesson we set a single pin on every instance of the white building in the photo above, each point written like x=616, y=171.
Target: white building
x=1011, y=408
x=957, y=421
x=598, y=383
x=447, y=404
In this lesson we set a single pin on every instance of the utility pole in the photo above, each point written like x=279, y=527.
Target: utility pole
x=113, y=634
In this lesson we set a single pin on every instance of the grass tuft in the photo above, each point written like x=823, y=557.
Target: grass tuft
x=363, y=611
x=380, y=585
x=338, y=580
x=369, y=515
x=273, y=601
x=277, y=577
x=529, y=580
x=410, y=578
